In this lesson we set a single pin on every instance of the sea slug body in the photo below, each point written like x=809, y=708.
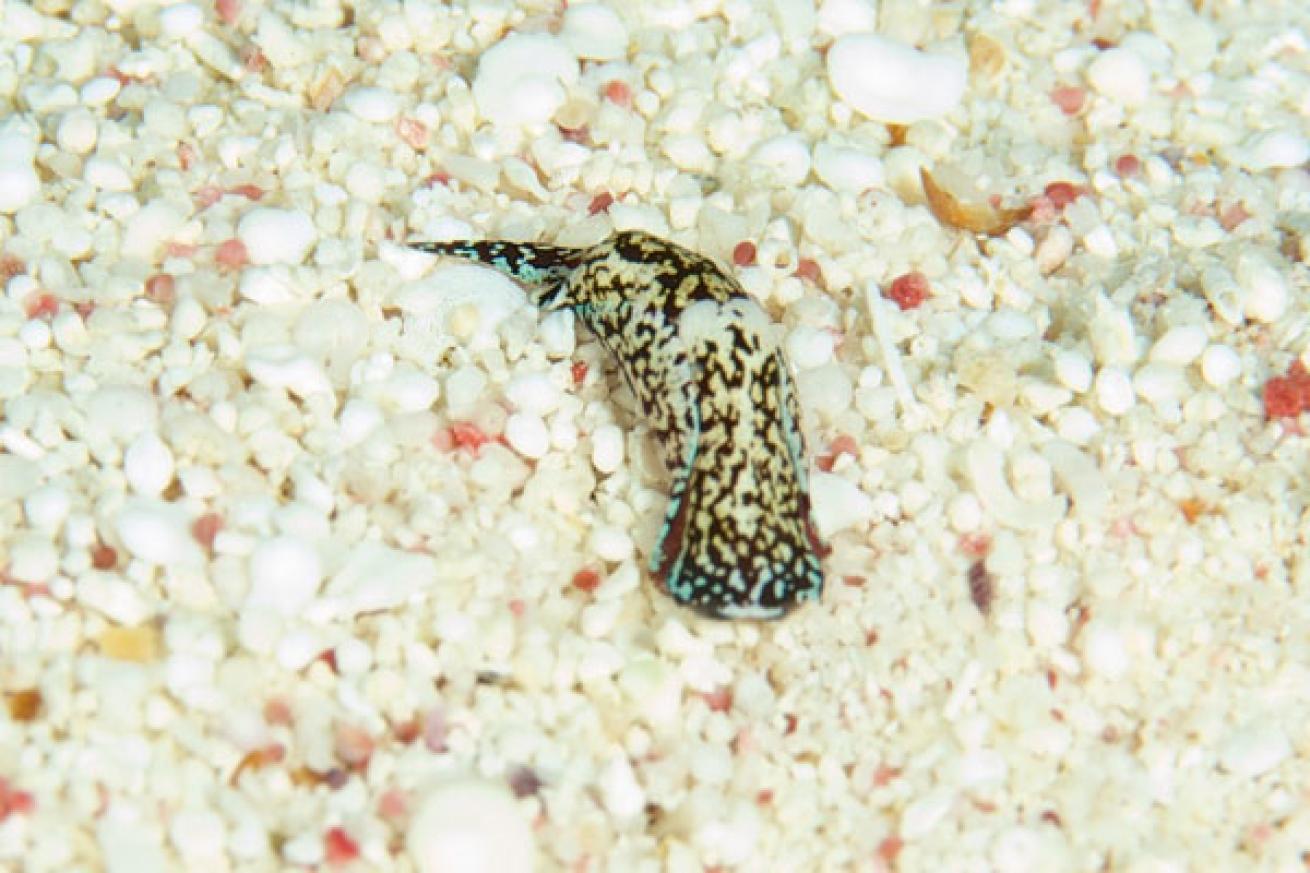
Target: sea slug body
x=738, y=540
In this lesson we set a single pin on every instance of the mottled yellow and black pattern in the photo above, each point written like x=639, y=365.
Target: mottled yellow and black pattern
x=738, y=541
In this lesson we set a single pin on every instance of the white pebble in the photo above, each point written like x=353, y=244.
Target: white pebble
x=607, y=448
x=840, y=17
x=150, y=227
x=595, y=32
x=1254, y=750
x=611, y=543
x=121, y=412
x=148, y=464
x=409, y=389
x=620, y=792
x=1220, y=365
x=157, y=533
x=128, y=844
x=1103, y=650
x=1121, y=75
x=47, y=507
x=377, y=577
x=847, y=169
x=453, y=288
x=17, y=148
x=32, y=559
x=285, y=366
x=892, y=82
x=964, y=512
x=533, y=392
x=277, y=236
x=557, y=334
x=1266, y=293
x=99, y=91
x=787, y=158
x=838, y=504
x=1114, y=391
x=1275, y=149
x=1073, y=370
x=377, y=105
x=19, y=185
x=181, y=20
x=470, y=826
x=464, y=387
x=527, y=435
x=78, y=131
x=1076, y=425
x=106, y=174
x=198, y=835
x=1180, y=345
x=521, y=80
x=809, y=346
x=1159, y=383
x=285, y=574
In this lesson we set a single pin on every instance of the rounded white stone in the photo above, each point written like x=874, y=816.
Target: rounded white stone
x=1254, y=750
x=408, y=389
x=181, y=20
x=19, y=185
x=120, y=412
x=786, y=157
x=157, y=533
x=47, y=507
x=77, y=132
x=32, y=559
x=469, y=826
x=149, y=227
x=838, y=503
x=16, y=148
x=148, y=464
x=1103, y=650
x=847, y=169
x=1121, y=75
x=611, y=543
x=527, y=435
x=521, y=79
x=1276, y=149
x=1159, y=383
x=809, y=347
x=277, y=236
x=965, y=512
x=377, y=105
x=1266, y=289
x=198, y=834
x=1220, y=365
x=607, y=448
x=464, y=387
x=1114, y=391
x=106, y=174
x=1180, y=345
x=285, y=574
x=1073, y=370
x=840, y=17
x=892, y=82
x=285, y=366
x=595, y=32
x=534, y=393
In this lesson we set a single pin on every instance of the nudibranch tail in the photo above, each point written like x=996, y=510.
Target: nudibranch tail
x=540, y=265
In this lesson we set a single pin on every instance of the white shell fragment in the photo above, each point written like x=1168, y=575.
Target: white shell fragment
x=521, y=80
x=892, y=82
x=469, y=826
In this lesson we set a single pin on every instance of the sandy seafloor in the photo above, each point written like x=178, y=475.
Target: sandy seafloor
x=317, y=554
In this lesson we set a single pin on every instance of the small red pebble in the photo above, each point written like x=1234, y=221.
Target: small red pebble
x=42, y=304
x=207, y=195
x=180, y=250
x=743, y=255
x=1232, y=216
x=602, y=201
x=206, y=527
x=1288, y=396
x=228, y=10
x=14, y=802
x=253, y=60
x=1069, y=98
x=580, y=135
x=718, y=700
x=353, y=746
x=440, y=177
x=161, y=288
x=579, y=372
x=1127, y=166
x=841, y=444
x=103, y=557
x=186, y=155
x=393, y=805
x=436, y=730
x=975, y=545
x=412, y=132
x=467, y=436
x=1061, y=194
x=587, y=580
x=248, y=191
x=909, y=290
x=338, y=847
x=10, y=267
x=277, y=711
x=231, y=254
x=618, y=93
x=808, y=269
x=889, y=848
